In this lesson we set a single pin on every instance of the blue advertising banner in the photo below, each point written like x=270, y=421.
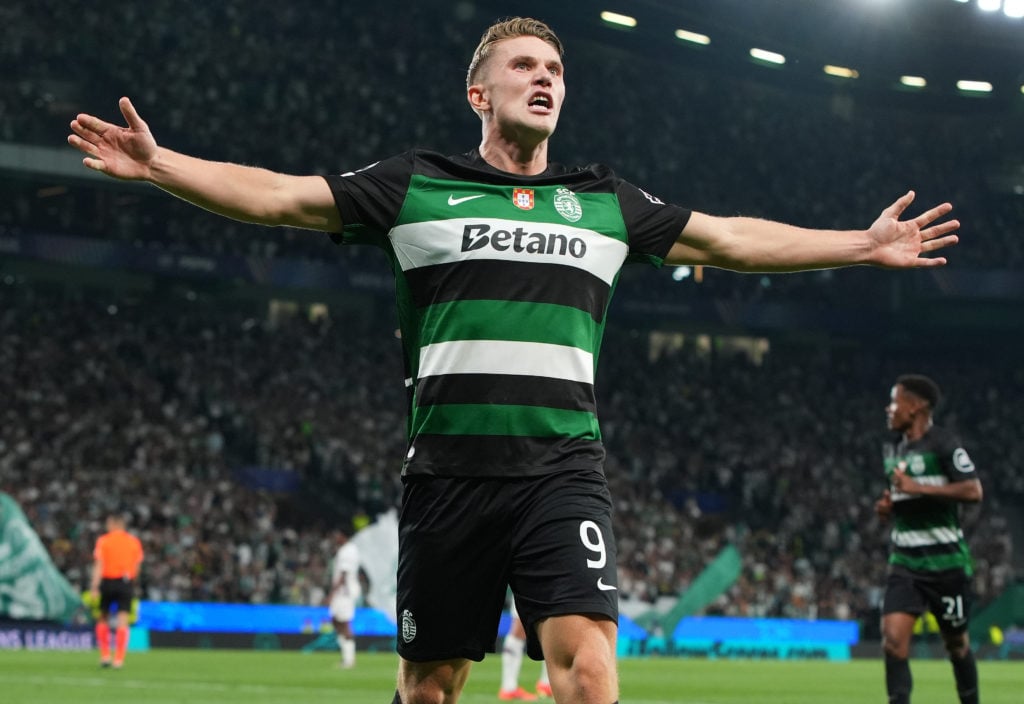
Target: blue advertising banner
x=775, y=630
x=254, y=618
x=713, y=637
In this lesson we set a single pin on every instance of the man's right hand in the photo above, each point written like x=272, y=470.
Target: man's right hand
x=121, y=152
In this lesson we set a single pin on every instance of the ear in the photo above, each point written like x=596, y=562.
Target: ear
x=477, y=97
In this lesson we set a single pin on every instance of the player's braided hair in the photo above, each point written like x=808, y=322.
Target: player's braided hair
x=507, y=29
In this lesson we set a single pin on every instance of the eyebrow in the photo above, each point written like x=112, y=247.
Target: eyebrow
x=533, y=59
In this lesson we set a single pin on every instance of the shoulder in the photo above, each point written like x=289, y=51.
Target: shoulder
x=948, y=446
x=941, y=440
x=395, y=162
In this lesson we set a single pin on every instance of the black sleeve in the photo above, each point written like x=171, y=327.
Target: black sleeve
x=653, y=225
x=956, y=463
x=369, y=200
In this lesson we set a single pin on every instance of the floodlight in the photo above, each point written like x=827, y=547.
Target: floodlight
x=618, y=19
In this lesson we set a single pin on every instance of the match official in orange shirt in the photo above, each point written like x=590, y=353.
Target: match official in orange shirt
x=116, y=560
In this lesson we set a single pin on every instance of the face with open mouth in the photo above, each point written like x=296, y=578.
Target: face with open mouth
x=524, y=87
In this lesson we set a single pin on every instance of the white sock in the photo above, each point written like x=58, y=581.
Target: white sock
x=543, y=673
x=348, y=651
x=511, y=662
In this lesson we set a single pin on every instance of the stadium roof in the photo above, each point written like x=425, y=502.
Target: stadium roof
x=880, y=41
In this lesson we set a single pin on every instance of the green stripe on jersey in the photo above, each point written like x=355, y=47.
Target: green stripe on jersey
x=507, y=320
x=430, y=199
x=522, y=421
x=961, y=559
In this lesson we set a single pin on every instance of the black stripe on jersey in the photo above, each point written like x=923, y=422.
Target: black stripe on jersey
x=501, y=455
x=470, y=167
x=506, y=389
x=928, y=550
x=485, y=279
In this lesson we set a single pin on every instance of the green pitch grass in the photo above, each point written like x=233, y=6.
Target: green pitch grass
x=257, y=677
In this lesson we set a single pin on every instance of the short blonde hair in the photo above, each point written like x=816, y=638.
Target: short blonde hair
x=507, y=29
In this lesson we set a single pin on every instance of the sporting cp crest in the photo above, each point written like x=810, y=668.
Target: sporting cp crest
x=568, y=205
x=408, y=626
x=522, y=198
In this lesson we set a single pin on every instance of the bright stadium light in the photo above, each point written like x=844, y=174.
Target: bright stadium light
x=768, y=56
x=841, y=71
x=618, y=19
x=990, y=5
x=974, y=86
x=1014, y=9
x=913, y=81
x=693, y=37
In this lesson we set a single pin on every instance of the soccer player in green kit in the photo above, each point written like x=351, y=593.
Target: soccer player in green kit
x=505, y=263
x=930, y=567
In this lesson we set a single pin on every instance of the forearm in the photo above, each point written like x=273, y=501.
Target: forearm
x=965, y=492
x=749, y=245
x=245, y=193
x=94, y=582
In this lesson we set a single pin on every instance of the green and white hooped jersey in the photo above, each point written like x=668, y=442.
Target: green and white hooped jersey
x=926, y=534
x=502, y=286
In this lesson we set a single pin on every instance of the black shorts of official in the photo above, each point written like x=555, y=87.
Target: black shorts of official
x=116, y=592
x=463, y=541
x=946, y=594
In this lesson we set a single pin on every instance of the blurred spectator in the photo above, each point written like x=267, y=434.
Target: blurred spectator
x=155, y=402
x=162, y=400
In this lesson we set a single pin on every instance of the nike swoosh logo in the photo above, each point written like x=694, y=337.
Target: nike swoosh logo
x=604, y=587
x=452, y=200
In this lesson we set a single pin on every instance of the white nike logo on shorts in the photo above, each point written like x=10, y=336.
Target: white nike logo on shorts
x=604, y=587
x=452, y=200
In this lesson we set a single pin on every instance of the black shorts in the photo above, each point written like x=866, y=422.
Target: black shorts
x=463, y=541
x=116, y=592
x=946, y=594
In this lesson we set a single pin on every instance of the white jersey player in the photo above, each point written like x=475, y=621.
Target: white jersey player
x=345, y=593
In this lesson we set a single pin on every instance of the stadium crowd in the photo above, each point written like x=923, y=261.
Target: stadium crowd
x=258, y=82
x=157, y=403
x=153, y=403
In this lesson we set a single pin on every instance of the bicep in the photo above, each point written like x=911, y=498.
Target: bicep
x=307, y=202
x=701, y=241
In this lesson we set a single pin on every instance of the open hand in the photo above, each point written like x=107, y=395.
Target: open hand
x=900, y=244
x=121, y=152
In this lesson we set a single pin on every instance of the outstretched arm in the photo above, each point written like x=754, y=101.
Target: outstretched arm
x=749, y=244
x=241, y=192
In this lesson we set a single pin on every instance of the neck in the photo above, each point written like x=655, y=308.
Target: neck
x=920, y=426
x=514, y=155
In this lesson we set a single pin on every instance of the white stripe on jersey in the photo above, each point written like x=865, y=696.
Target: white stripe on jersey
x=421, y=244
x=503, y=357
x=924, y=538
x=931, y=480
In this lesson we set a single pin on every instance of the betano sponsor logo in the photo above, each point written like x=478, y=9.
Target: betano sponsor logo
x=479, y=235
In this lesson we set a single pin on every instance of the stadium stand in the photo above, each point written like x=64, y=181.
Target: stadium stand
x=234, y=436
